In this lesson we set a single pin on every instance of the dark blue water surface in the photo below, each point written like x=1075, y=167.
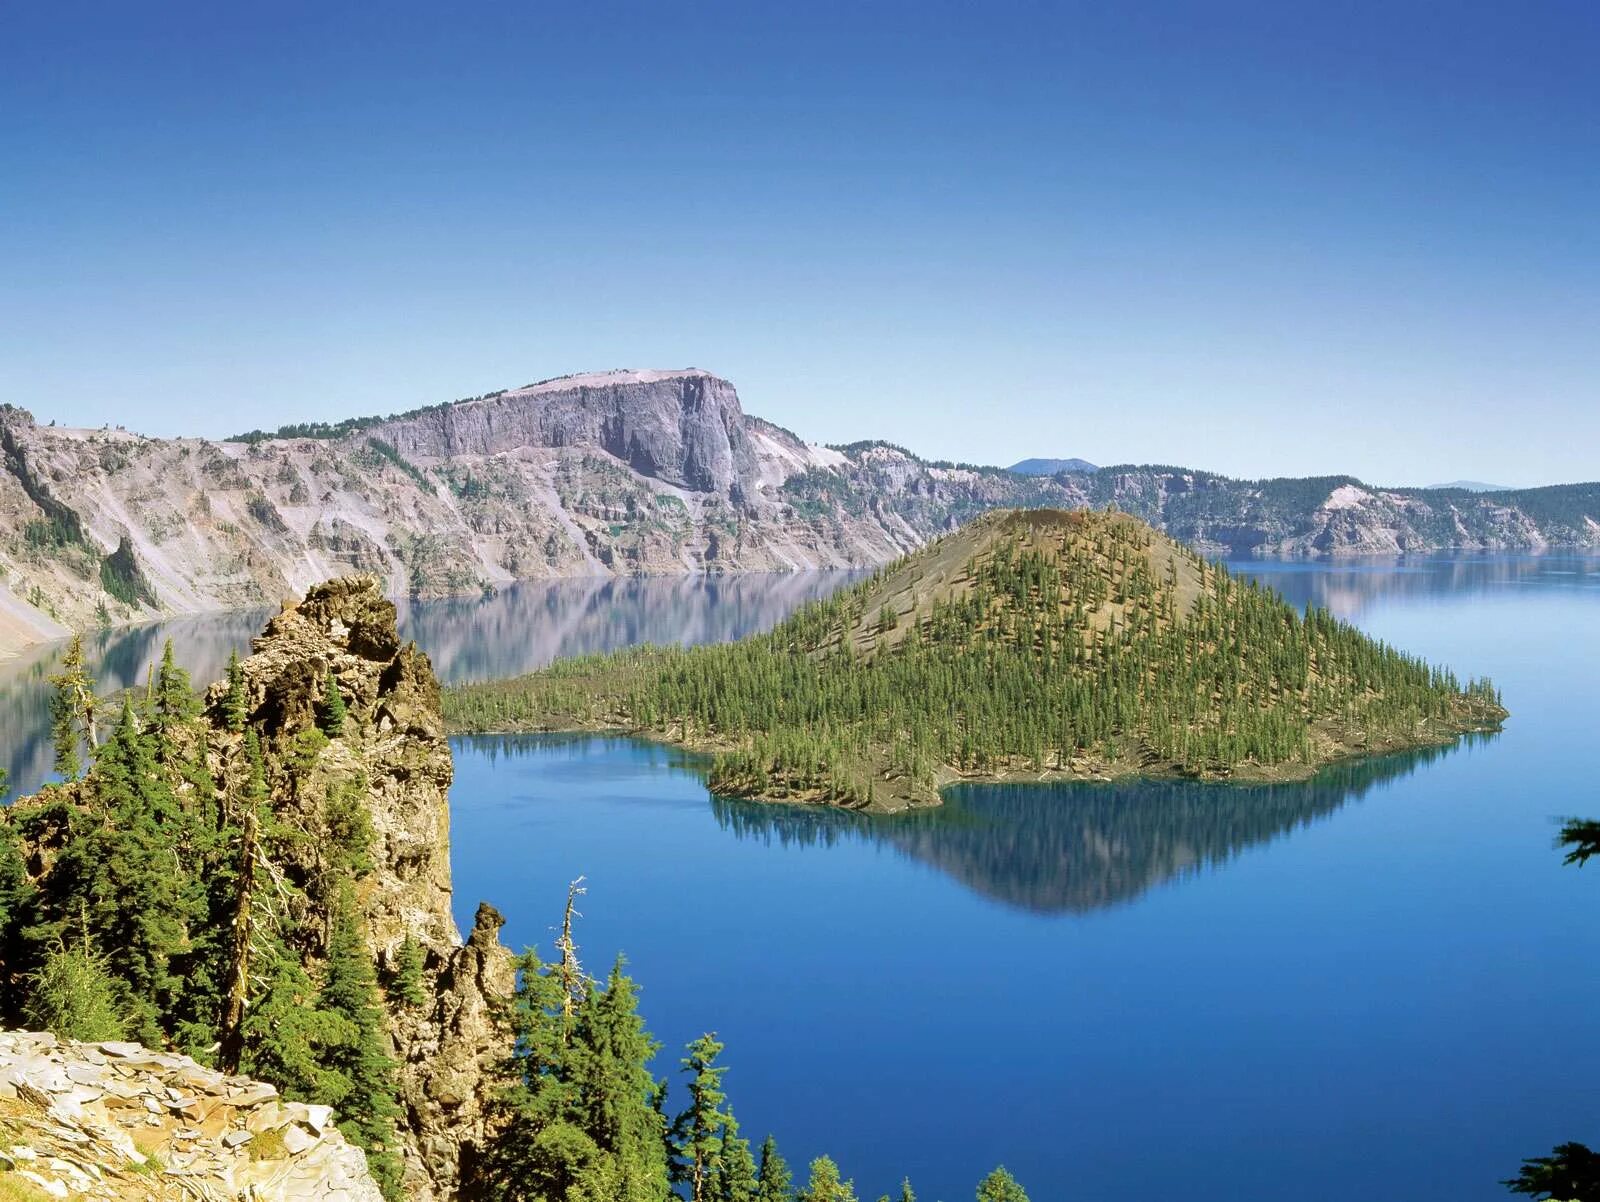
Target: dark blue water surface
x=1380, y=984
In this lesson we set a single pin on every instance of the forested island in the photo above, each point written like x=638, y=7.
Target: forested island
x=1030, y=644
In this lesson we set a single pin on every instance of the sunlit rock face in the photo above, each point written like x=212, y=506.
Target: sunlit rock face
x=683, y=428
x=393, y=748
x=117, y=1121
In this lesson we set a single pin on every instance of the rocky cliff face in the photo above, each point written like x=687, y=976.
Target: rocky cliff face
x=612, y=473
x=1340, y=516
x=683, y=428
x=118, y=1122
x=394, y=753
x=624, y=473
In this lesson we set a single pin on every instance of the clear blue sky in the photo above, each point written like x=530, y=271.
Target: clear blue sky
x=1267, y=238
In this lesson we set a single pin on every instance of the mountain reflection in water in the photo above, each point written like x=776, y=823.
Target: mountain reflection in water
x=520, y=628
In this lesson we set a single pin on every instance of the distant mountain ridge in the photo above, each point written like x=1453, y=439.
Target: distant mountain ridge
x=608, y=473
x=1470, y=486
x=1050, y=467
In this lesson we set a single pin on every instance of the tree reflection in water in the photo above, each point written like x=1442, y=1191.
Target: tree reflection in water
x=1076, y=847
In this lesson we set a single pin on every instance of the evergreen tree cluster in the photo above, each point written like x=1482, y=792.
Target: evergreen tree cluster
x=163, y=913
x=1064, y=637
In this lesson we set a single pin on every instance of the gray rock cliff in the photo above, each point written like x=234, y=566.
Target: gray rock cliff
x=683, y=428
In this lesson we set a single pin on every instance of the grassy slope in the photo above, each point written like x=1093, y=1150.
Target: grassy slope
x=1028, y=643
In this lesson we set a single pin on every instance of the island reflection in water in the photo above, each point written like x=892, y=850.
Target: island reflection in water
x=1049, y=848
x=1075, y=847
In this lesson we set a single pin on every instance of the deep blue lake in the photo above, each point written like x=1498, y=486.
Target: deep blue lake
x=1379, y=984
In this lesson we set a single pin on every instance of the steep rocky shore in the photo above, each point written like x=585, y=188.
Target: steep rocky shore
x=448, y=1046
x=118, y=1122
x=610, y=473
x=388, y=775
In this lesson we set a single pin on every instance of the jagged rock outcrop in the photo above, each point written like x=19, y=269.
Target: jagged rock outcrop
x=611, y=473
x=393, y=752
x=617, y=473
x=119, y=1122
x=452, y=1048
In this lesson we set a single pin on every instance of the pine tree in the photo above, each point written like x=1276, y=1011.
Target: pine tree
x=1581, y=836
x=143, y=902
x=286, y=1036
x=1570, y=1172
x=581, y=1118
x=64, y=735
x=348, y=825
x=234, y=703
x=697, y=1131
x=72, y=711
x=774, y=1182
x=248, y=919
x=734, y=1179
x=277, y=1024
x=1000, y=1186
x=74, y=996
x=364, y=1092
x=825, y=1185
x=406, y=987
x=331, y=718
x=16, y=899
x=174, y=700
x=615, y=1095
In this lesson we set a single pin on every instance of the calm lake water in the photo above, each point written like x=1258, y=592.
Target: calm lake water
x=519, y=629
x=1380, y=984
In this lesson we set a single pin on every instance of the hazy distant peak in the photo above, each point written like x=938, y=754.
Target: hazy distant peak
x=1472, y=486
x=1050, y=467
